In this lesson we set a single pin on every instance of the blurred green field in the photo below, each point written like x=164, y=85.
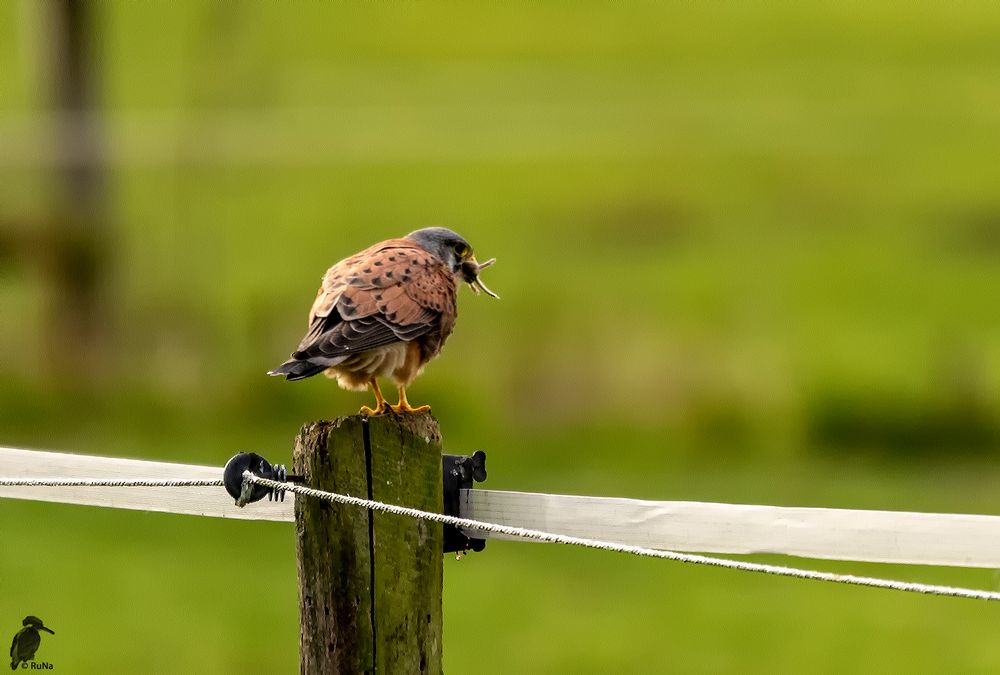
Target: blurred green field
x=746, y=254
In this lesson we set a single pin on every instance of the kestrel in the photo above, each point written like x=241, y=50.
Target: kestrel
x=386, y=312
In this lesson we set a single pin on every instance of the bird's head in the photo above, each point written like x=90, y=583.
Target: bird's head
x=35, y=622
x=455, y=252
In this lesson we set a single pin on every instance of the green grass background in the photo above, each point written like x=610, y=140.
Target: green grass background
x=747, y=253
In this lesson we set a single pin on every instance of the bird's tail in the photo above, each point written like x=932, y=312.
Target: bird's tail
x=297, y=370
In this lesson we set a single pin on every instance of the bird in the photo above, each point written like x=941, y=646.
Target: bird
x=26, y=641
x=386, y=312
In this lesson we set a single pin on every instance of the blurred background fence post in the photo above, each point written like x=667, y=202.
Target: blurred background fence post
x=74, y=251
x=370, y=584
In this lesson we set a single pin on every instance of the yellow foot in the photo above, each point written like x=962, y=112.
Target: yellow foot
x=381, y=405
x=405, y=408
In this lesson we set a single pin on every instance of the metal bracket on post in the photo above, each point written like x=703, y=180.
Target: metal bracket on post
x=459, y=472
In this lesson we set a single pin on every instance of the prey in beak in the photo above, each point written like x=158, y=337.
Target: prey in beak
x=470, y=270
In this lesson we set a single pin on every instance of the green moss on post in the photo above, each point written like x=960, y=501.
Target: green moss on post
x=370, y=584
x=332, y=550
x=406, y=470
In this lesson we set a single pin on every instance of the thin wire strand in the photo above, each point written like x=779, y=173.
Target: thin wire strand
x=538, y=535
x=523, y=533
x=110, y=482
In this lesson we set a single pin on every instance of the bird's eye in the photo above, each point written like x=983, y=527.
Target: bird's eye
x=461, y=250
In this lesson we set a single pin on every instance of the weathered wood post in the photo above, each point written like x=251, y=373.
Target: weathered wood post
x=370, y=583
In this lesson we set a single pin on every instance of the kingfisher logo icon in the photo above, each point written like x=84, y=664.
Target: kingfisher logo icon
x=25, y=644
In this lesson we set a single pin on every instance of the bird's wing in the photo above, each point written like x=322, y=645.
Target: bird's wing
x=378, y=297
x=28, y=645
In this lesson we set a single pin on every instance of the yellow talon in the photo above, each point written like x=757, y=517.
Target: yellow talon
x=407, y=409
x=381, y=405
x=404, y=406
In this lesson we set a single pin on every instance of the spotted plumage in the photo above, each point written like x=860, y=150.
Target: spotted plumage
x=386, y=312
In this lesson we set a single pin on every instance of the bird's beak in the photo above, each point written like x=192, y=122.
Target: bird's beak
x=470, y=272
x=47, y=629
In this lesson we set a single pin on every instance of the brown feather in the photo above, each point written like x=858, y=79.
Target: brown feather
x=392, y=292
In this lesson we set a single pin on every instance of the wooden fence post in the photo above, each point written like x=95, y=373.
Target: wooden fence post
x=370, y=583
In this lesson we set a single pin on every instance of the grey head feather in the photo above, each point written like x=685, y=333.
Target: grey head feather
x=443, y=244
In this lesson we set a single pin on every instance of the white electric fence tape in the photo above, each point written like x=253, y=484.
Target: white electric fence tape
x=839, y=534
x=197, y=501
x=956, y=540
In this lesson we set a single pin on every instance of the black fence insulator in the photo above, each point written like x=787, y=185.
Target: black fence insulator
x=258, y=466
x=459, y=473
